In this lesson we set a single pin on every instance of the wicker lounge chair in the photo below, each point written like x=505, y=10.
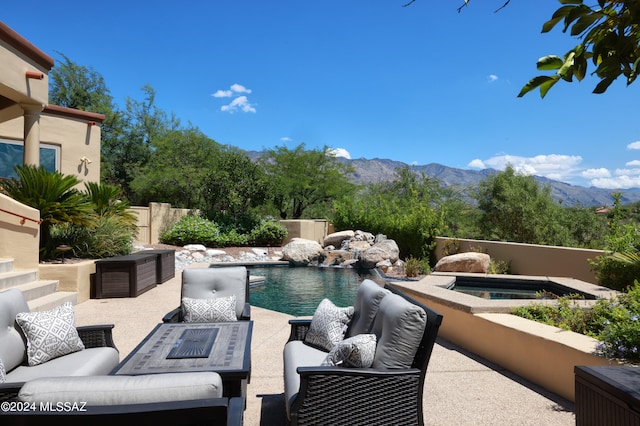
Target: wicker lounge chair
x=373, y=396
x=206, y=283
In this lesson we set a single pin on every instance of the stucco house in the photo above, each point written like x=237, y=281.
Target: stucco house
x=34, y=132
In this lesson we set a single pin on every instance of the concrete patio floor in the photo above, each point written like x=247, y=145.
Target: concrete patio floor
x=460, y=388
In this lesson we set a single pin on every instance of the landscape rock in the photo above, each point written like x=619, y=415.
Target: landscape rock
x=464, y=262
x=300, y=252
x=383, y=250
x=336, y=257
x=337, y=238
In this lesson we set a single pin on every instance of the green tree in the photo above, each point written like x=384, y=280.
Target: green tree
x=176, y=170
x=407, y=209
x=515, y=207
x=304, y=179
x=54, y=195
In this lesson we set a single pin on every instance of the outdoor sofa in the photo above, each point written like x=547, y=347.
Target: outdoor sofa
x=390, y=390
x=188, y=398
x=98, y=357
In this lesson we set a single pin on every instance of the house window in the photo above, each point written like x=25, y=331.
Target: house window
x=12, y=154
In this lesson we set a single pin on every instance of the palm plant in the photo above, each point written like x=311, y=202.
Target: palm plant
x=54, y=195
x=106, y=201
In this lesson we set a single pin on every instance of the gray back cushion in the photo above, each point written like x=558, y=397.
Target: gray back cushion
x=209, y=283
x=119, y=390
x=399, y=326
x=12, y=345
x=365, y=307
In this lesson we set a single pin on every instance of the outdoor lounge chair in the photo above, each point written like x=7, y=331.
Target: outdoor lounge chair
x=377, y=395
x=211, y=283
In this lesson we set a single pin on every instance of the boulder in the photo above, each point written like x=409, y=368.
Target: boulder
x=337, y=238
x=356, y=245
x=464, y=262
x=336, y=257
x=383, y=250
x=301, y=252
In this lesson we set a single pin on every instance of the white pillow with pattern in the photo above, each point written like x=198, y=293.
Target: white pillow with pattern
x=357, y=351
x=50, y=334
x=328, y=325
x=219, y=309
x=3, y=373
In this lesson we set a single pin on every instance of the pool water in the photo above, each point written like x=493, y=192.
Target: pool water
x=500, y=289
x=298, y=290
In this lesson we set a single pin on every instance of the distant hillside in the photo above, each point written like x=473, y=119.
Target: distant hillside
x=380, y=170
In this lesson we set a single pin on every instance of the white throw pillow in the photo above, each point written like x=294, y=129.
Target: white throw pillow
x=50, y=334
x=3, y=373
x=328, y=325
x=219, y=309
x=357, y=351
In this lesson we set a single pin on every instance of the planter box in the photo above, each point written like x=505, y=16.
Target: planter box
x=125, y=276
x=607, y=395
x=165, y=264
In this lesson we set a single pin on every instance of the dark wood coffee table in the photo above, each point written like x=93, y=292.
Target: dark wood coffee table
x=223, y=347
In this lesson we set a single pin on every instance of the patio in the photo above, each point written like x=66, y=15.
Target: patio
x=461, y=389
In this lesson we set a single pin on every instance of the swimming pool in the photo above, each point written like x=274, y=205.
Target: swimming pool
x=504, y=288
x=298, y=290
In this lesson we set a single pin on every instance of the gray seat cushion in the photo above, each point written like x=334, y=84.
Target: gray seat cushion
x=118, y=390
x=365, y=307
x=88, y=362
x=210, y=283
x=298, y=354
x=399, y=326
x=12, y=345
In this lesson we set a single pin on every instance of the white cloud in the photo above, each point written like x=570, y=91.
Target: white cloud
x=493, y=78
x=627, y=172
x=477, y=164
x=286, y=139
x=634, y=145
x=595, y=173
x=222, y=94
x=339, y=152
x=241, y=103
x=556, y=165
x=622, y=182
x=632, y=163
x=239, y=88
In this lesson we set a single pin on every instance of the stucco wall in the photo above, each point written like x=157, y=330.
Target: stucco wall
x=531, y=259
x=19, y=241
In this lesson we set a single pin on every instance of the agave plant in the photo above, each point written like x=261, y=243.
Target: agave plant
x=54, y=195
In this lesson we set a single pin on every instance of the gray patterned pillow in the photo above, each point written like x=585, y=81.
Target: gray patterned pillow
x=3, y=373
x=50, y=334
x=219, y=309
x=328, y=325
x=357, y=351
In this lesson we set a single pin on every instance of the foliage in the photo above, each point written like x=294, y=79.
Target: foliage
x=514, y=207
x=233, y=185
x=190, y=230
x=406, y=209
x=609, y=34
x=177, y=170
x=54, y=195
x=616, y=269
x=414, y=267
x=499, y=266
x=304, y=178
x=106, y=237
x=615, y=322
x=267, y=233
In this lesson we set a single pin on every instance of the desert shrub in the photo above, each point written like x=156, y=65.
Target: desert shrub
x=230, y=239
x=107, y=236
x=414, y=267
x=499, y=266
x=267, y=233
x=191, y=230
x=615, y=322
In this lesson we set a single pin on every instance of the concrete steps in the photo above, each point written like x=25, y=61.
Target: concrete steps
x=41, y=295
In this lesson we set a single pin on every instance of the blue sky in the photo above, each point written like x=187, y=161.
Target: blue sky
x=369, y=78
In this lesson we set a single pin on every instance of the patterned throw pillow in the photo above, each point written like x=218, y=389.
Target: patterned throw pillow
x=357, y=351
x=220, y=309
x=328, y=325
x=50, y=334
x=3, y=373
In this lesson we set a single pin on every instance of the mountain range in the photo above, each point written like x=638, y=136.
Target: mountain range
x=377, y=170
x=381, y=170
